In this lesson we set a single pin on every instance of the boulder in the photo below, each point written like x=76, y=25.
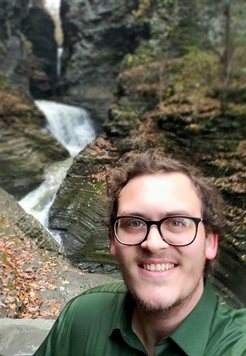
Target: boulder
x=16, y=217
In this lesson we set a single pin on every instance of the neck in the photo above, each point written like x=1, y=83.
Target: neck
x=151, y=327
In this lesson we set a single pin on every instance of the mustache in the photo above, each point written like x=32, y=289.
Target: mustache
x=161, y=255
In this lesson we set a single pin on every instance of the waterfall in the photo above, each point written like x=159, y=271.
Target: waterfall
x=53, y=7
x=70, y=125
x=59, y=57
x=38, y=202
x=52, y=4
x=73, y=128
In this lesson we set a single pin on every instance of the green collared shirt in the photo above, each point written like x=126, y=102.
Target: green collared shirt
x=98, y=323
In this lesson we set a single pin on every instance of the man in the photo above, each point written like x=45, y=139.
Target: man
x=164, y=227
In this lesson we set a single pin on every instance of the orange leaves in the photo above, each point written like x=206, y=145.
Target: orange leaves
x=12, y=306
x=24, y=279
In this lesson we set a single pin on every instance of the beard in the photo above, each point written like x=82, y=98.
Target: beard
x=160, y=310
x=148, y=306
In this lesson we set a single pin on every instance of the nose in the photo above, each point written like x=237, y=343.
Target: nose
x=154, y=242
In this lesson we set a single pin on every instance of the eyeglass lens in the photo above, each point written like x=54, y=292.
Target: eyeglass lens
x=174, y=230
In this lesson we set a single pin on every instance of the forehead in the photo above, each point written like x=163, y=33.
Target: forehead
x=165, y=192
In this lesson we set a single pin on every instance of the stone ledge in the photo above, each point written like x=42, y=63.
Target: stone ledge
x=22, y=336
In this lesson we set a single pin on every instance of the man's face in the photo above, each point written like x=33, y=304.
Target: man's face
x=158, y=275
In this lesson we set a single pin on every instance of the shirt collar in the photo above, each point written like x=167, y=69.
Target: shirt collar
x=193, y=333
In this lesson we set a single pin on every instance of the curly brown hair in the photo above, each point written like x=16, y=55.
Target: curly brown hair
x=155, y=161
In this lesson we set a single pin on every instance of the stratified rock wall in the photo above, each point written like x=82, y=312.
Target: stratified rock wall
x=39, y=28
x=32, y=228
x=97, y=35
x=12, y=46
x=78, y=212
x=26, y=147
x=28, y=50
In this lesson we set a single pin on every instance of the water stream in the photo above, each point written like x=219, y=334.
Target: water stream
x=59, y=58
x=73, y=128
x=70, y=125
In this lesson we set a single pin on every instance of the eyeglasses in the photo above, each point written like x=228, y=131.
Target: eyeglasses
x=174, y=230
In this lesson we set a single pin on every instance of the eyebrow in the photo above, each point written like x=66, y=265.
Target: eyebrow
x=165, y=214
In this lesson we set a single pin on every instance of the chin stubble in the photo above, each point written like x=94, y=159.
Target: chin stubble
x=162, y=310
x=147, y=306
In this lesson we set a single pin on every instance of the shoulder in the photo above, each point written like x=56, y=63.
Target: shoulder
x=99, y=297
x=97, y=305
x=229, y=330
x=86, y=321
x=230, y=317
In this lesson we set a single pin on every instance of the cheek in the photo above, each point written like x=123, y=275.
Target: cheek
x=202, y=249
x=194, y=254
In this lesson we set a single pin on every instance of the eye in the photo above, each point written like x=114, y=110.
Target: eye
x=135, y=223
x=178, y=223
x=130, y=223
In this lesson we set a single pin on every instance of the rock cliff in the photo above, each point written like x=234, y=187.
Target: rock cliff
x=16, y=217
x=26, y=147
x=12, y=42
x=39, y=29
x=97, y=35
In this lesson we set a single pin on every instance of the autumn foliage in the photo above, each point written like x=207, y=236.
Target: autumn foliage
x=27, y=277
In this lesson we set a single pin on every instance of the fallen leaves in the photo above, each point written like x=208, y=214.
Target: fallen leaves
x=24, y=278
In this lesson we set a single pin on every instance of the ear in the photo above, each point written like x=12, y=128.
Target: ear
x=211, y=246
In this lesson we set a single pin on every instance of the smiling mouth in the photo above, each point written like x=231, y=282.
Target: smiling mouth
x=158, y=267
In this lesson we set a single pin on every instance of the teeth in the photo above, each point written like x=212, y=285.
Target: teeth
x=158, y=267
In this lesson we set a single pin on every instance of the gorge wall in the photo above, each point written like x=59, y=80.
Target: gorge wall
x=26, y=147
x=97, y=36
x=11, y=41
x=39, y=29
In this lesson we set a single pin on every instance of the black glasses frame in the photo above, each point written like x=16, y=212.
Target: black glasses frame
x=158, y=223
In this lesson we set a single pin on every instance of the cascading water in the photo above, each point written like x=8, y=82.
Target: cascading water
x=53, y=7
x=70, y=125
x=59, y=57
x=73, y=128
